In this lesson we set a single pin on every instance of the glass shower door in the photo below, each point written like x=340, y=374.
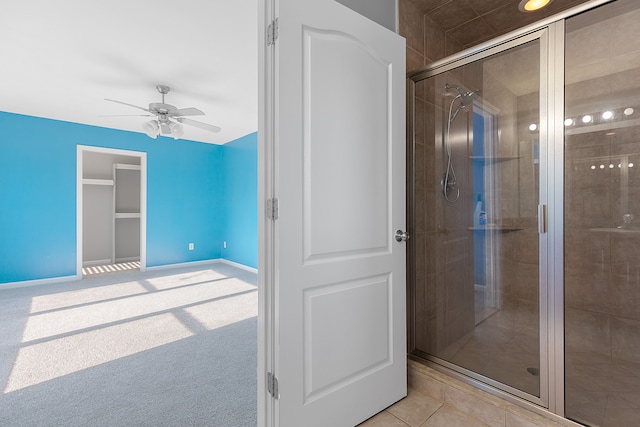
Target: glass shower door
x=602, y=216
x=475, y=285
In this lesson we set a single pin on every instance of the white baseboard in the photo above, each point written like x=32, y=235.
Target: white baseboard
x=201, y=263
x=35, y=282
x=238, y=265
x=12, y=285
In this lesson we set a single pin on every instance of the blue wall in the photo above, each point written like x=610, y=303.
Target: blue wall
x=240, y=165
x=185, y=196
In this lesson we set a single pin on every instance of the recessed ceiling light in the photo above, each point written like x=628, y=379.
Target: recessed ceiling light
x=532, y=5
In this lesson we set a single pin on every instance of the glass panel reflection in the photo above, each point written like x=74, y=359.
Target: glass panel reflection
x=476, y=168
x=602, y=216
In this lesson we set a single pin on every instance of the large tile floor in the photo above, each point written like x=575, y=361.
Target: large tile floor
x=419, y=410
x=438, y=400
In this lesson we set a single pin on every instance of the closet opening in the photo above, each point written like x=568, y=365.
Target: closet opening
x=111, y=211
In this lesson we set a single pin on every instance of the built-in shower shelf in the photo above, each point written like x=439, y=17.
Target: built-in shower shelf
x=493, y=159
x=617, y=230
x=496, y=228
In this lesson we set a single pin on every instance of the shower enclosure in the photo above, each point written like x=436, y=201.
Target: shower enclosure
x=524, y=273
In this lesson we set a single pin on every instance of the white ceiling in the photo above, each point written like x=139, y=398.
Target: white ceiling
x=60, y=59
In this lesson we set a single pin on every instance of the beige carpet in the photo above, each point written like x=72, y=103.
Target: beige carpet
x=162, y=348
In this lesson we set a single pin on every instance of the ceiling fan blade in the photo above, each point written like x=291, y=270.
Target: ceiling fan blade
x=126, y=115
x=130, y=105
x=197, y=124
x=190, y=111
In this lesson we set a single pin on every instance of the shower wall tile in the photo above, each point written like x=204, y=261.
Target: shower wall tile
x=414, y=60
x=526, y=318
x=472, y=32
x=452, y=46
x=420, y=120
x=588, y=208
x=434, y=40
x=521, y=246
x=585, y=85
x=430, y=196
x=589, y=376
x=411, y=27
x=622, y=31
x=625, y=337
x=622, y=416
x=525, y=282
x=599, y=48
x=588, y=250
x=588, y=332
x=625, y=252
x=580, y=159
x=420, y=211
x=587, y=405
x=626, y=377
x=588, y=288
x=420, y=166
x=421, y=251
x=625, y=294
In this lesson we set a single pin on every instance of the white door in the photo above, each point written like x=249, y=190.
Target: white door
x=335, y=280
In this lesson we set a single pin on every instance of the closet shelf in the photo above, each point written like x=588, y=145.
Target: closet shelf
x=93, y=181
x=617, y=230
x=119, y=215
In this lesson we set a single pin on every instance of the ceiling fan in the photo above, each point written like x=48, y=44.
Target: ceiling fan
x=168, y=119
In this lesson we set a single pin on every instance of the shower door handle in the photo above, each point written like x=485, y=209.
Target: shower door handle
x=542, y=219
x=401, y=236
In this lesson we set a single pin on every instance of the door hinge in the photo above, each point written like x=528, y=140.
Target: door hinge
x=272, y=209
x=272, y=385
x=272, y=32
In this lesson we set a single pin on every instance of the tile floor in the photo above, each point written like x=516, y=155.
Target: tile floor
x=420, y=410
x=438, y=400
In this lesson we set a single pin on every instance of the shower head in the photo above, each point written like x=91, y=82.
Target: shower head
x=466, y=98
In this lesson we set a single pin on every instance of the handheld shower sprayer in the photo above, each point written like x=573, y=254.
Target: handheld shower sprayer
x=449, y=183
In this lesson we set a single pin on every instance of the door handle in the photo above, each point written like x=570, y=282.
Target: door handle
x=542, y=219
x=401, y=236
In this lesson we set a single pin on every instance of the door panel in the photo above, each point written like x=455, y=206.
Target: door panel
x=339, y=177
x=349, y=128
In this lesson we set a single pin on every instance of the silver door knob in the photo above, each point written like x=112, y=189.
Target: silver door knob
x=402, y=236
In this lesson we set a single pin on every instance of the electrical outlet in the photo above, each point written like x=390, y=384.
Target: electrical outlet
x=224, y=245
x=191, y=246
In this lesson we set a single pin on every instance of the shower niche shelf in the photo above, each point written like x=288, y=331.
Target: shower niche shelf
x=493, y=159
x=496, y=229
x=616, y=230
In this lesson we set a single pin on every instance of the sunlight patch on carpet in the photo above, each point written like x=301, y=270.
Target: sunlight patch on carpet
x=217, y=314
x=51, y=324
x=52, y=359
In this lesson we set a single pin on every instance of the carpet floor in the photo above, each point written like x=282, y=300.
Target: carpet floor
x=173, y=347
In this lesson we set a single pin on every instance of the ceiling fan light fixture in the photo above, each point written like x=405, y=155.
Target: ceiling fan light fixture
x=176, y=130
x=151, y=128
x=532, y=5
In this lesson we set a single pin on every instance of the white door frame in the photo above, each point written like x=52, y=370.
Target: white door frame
x=80, y=150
